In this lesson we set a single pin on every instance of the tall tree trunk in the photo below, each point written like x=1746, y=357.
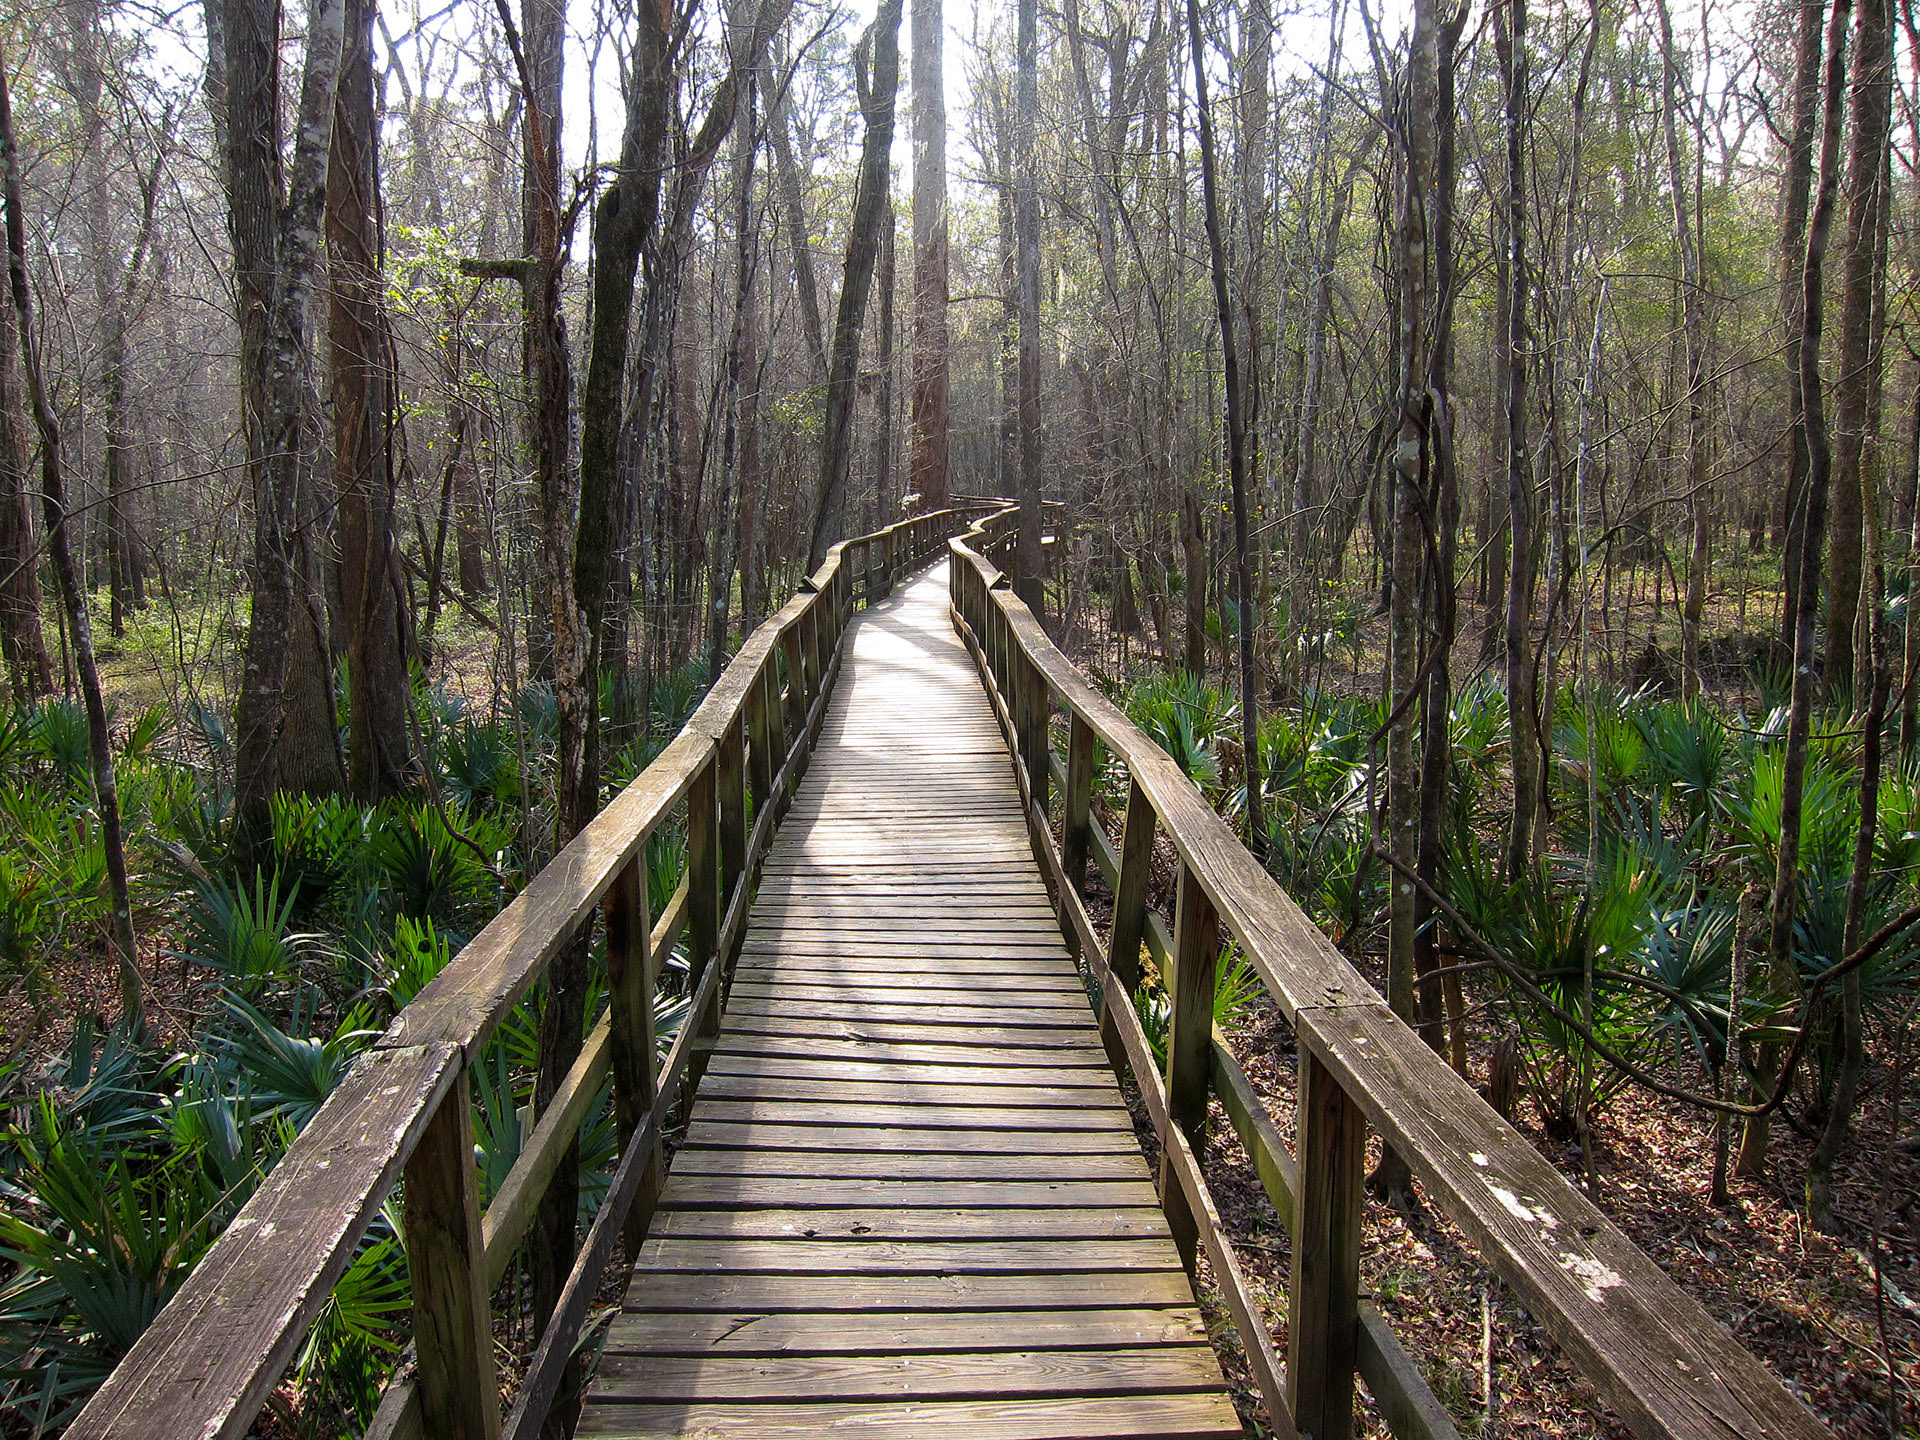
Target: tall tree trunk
x=53, y=495
x=378, y=753
x=1510, y=38
x=1784, y=904
x=1443, y=506
x=1415, y=142
x=931, y=416
x=1796, y=186
x=745, y=261
x=1857, y=381
x=887, y=499
x=1693, y=310
x=85, y=81
x=876, y=71
x=1237, y=443
x=1030, y=572
x=29, y=670
x=274, y=220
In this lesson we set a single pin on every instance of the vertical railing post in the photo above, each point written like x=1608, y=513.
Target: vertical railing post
x=1035, y=710
x=793, y=649
x=452, y=1330
x=1324, y=1291
x=730, y=774
x=762, y=721
x=1076, y=825
x=703, y=897
x=1196, y=952
x=1130, y=890
x=631, y=976
x=810, y=640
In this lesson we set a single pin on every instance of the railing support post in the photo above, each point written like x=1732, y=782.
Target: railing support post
x=762, y=721
x=1196, y=952
x=1323, y=1307
x=631, y=975
x=452, y=1331
x=1130, y=890
x=703, y=900
x=796, y=719
x=1075, y=832
x=731, y=782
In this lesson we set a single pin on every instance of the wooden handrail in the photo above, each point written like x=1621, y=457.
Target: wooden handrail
x=1654, y=1353
x=206, y=1364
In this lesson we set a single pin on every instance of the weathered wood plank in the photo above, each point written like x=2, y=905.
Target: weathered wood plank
x=1128, y=1417
x=899, y=1332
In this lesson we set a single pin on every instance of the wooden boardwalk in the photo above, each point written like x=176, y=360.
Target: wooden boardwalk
x=910, y=1201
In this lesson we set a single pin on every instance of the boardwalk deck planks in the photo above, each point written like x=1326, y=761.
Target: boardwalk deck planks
x=910, y=1196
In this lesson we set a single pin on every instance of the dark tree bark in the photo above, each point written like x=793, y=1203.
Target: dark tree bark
x=887, y=497
x=1510, y=38
x=1237, y=441
x=378, y=753
x=876, y=70
x=53, y=497
x=1784, y=903
x=931, y=417
x=1857, y=380
x=274, y=219
x=1029, y=579
x=29, y=670
x=1796, y=187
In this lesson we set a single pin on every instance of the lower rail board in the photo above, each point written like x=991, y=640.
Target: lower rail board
x=909, y=1201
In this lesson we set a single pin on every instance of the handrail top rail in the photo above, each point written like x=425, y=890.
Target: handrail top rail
x=1604, y=1298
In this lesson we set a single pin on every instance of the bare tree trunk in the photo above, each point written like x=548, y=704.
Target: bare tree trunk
x=1237, y=443
x=876, y=70
x=274, y=219
x=887, y=498
x=1193, y=550
x=29, y=670
x=746, y=260
x=1796, y=187
x=1857, y=382
x=378, y=753
x=1784, y=903
x=1030, y=566
x=106, y=794
x=931, y=415
x=1693, y=308
x=1510, y=38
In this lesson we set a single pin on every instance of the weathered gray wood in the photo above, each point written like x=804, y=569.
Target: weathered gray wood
x=1323, y=1293
x=1077, y=794
x=1107, y=1417
x=446, y=1261
x=632, y=970
x=221, y=1344
x=1190, y=1038
x=1130, y=890
x=899, y=1332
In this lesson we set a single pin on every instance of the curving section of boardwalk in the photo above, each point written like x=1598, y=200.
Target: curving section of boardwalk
x=910, y=1201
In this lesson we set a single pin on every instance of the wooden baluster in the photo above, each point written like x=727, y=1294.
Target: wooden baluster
x=1076, y=827
x=1324, y=1291
x=703, y=898
x=762, y=720
x=810, y=641
x=631, y=976
x=452, y=1330
x=1196, y=952
x=731, y=781
x=796, y=717
x=1130, y=890
x=1032, y=716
